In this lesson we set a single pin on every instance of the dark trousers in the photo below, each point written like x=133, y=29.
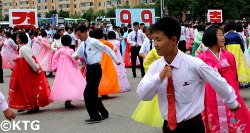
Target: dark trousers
x=194, y=125
x=182, y=46
x=1, y=70
x=134, y=54
x=92, y=102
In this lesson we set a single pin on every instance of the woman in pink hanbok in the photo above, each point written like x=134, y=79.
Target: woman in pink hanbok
x=69, y=83
x=44, y=57
x=216, y=116
x=36, y=44
x=120, y=69
x=9, y=52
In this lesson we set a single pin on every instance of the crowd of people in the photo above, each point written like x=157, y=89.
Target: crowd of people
x=88, y=63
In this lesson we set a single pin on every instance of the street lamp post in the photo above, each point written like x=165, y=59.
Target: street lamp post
x=161, y=8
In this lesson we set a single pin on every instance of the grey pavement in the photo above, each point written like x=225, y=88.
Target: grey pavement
x=55, y=119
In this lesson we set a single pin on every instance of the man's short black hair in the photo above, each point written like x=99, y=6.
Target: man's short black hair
x=82, y=28
x=135, y=23
x=209, y=38
x=231, y=25
x=98, y=33
x=142, y=24
x=111, y=35
x=169, y=26
x=8, y=34
x=66, y=40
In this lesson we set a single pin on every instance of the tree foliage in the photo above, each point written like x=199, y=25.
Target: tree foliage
x=64, y=14
x=89, y=14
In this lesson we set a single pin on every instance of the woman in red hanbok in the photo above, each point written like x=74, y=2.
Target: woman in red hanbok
x=217, y=117
x=29, y=88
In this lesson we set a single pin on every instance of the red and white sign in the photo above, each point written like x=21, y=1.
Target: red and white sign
x=214, y=16
x=23, y=17
x=129, y=16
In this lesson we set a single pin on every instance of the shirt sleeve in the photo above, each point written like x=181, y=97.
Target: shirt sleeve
x=79, y=51
x=99, y=45
x=130, y=39
x=25, y=53
x=13, y=44
x=3, y=102
x=147, y=88
x=143, y=48
x=218, y=83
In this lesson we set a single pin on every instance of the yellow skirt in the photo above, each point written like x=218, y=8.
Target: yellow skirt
x=148, y=113
x=242, y=68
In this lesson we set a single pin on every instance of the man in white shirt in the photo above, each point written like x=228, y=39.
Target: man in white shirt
x=183, y=38
x=5, y=108
x=91, y=51
x=136, y=39
x=178, y=79
x=148, y=43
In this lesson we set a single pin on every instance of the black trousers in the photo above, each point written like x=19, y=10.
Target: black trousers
x=194, y=125
x=92, y=102
x=1, y=70
x=134, y=53
x=182, y=46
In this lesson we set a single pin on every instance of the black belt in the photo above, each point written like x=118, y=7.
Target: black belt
x=95, y=64
x=195, y=119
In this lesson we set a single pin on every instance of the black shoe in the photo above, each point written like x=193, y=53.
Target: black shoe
x=33, y=111
x=68, y=105
x=92, y=121
x=134, y=76
x=105, y=117
x=104, y=96
x=20, y=110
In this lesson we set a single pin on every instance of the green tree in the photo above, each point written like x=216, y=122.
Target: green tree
x=64, y=14
x=110, y=13
x=89, y=14
x=100, y=13
x=6, y=17
x=50, y=13
x=76, y=15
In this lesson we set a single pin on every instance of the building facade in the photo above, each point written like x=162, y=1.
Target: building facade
x=72, y=6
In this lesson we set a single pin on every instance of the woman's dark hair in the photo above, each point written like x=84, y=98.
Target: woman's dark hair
x=23, y=37
x=43, y=33
x=209, y=38
x=56, y=36
x=169, y=26
x=8, y=34
x=98, y=33
x=231, y=25
x=66, y=40
x=239, y=27
x=201, y=28
x=91, y=33
x=111, y=35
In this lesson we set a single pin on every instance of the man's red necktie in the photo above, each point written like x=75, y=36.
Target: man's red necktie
x=172, y=121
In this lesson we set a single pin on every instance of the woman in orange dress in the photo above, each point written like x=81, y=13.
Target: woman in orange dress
x=109, y=81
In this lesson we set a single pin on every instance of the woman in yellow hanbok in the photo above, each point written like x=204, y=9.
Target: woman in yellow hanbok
x=235, y=44
x=148, y=112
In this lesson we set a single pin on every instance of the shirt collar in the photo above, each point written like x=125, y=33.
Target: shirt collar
x=87, y=40
x=176, y=63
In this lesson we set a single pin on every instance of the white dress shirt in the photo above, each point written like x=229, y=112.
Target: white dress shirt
x=94, y=49
x=131, y=38
x=145, y=48
x=189, y=77
x=3, y=103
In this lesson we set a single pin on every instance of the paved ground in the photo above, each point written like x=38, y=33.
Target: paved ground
x=55, y=119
